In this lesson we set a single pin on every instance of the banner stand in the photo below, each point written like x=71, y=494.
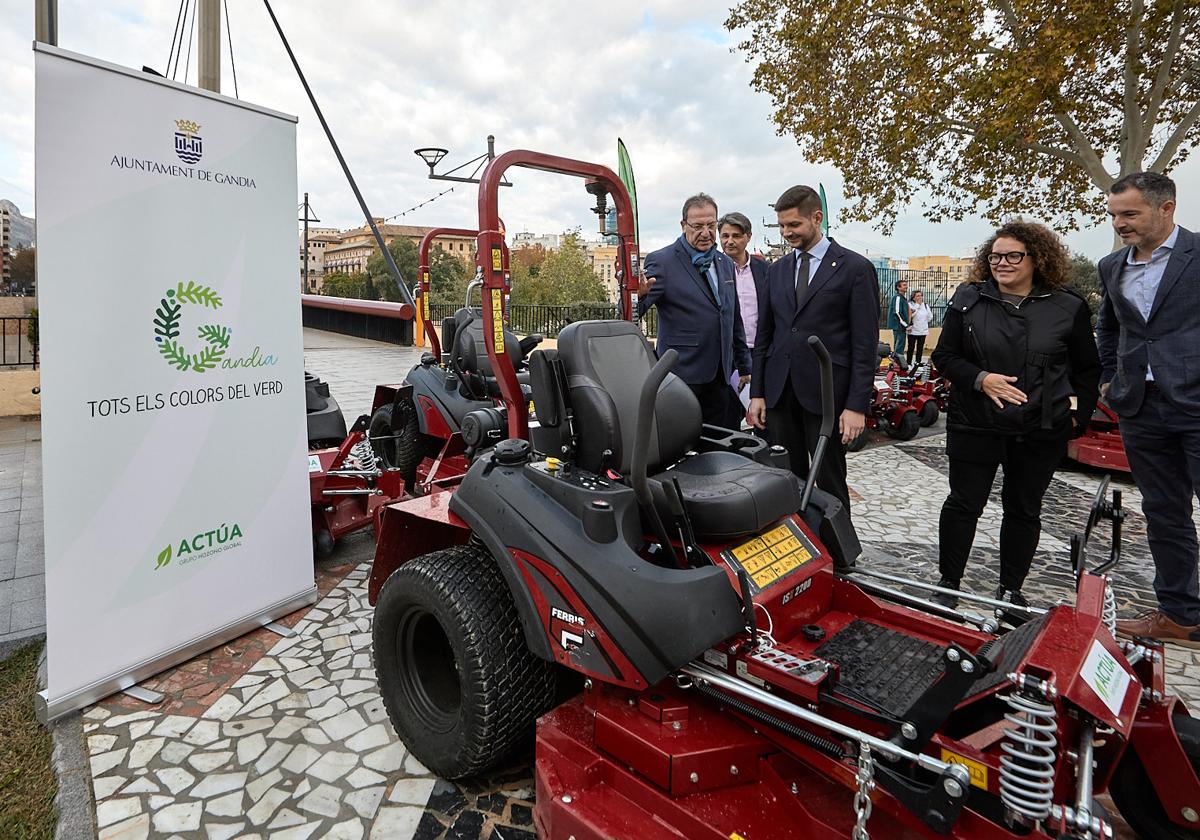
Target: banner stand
x=48, y=711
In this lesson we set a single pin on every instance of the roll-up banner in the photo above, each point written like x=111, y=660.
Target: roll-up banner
x=173, y=412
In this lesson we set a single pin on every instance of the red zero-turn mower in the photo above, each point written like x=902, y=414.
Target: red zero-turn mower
x=740, y=679
x=893, y=407
x=452, y=407
x=930, y=391
x=347, y=483
x=1100, y=445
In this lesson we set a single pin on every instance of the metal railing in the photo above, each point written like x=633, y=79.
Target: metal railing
x=549, y=321
x=935, y=286
x=16, y=350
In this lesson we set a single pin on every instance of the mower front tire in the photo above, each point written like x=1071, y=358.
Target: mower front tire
x=857, y=443
x=907, y=428
x=396, y=438
x=459, y=683
x=929, y=413
x=1136, y=798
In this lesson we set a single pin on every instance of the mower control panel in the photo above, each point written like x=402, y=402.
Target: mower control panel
x=556, y=468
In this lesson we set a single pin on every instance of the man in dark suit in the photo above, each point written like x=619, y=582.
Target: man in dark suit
x=1148, y=333
x=691, y=283
x=749, y=275
x=819, y=289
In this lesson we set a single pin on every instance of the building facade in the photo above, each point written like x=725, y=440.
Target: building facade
x=956, y=268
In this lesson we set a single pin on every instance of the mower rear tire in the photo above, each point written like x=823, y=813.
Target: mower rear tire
x=460, y=685
x=857, y=443
x=907, y=428
x=1134, y=794
x=399, y=445
x=323, y=544
x=929, y=413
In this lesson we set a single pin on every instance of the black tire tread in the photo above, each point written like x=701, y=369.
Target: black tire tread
x=405, y=451
x=907, y=428
x=929, y=413
x=510, y=686
x=1136, y=798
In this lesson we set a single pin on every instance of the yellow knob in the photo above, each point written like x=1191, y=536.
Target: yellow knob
x=552, y=464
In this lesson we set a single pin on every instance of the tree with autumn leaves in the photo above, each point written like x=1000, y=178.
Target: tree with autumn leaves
x=994, y=107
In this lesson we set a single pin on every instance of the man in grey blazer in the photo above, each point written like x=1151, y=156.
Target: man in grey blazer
x=1148, y=333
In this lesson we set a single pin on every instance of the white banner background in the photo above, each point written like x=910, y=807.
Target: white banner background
x=123, y=478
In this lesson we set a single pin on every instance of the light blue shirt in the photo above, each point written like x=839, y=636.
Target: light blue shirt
x=1140, y=280
x=816, y=253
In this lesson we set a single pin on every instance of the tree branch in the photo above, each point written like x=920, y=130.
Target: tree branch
x=1133, y=43
x=1161, y=78
x=1088, y=158
x=1176, y=139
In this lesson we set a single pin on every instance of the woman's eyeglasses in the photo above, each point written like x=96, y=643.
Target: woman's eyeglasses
x=1012, y=257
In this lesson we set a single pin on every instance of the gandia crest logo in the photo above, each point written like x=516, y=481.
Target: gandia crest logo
x=188, y=144
x=167, y=318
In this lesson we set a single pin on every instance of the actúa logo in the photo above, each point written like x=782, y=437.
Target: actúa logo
x=200, y=545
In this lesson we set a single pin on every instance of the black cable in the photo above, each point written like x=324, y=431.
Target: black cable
x=179, y=52
x=229, y=33
x=188, y=63
x=174, y=35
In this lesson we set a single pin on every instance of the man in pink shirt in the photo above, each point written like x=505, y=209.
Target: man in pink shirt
x=749, y=274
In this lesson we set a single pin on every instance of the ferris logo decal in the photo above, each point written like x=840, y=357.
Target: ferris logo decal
x=567, y=638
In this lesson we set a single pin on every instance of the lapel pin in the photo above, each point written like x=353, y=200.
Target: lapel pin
x=833, y=265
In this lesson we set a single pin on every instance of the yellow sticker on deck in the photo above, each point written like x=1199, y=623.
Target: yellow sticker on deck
x=771, y=556
x=978, y=771
x=497, y=321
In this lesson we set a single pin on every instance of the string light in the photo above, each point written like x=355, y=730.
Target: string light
x=419, y=206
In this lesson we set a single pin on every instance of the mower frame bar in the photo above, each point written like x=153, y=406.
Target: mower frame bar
x=492, y=259
x=431, y=333
x=966, y=596
x=717, y=679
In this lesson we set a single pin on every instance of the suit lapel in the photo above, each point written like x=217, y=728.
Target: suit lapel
x=831, y=263
x=694, y=273
x=1181, y=255
x=787, y=285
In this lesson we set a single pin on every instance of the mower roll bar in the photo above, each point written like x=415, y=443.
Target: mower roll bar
x=492, y=259
x=431, y=333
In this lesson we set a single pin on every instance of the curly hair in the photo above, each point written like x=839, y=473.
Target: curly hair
x=1051, y=263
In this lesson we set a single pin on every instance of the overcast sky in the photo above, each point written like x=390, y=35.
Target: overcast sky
x=560, y=77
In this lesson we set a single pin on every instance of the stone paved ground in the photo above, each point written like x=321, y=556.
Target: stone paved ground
x=297, y=744
x=22, y=580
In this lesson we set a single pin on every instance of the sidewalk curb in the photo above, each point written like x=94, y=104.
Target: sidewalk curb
x=74, y=803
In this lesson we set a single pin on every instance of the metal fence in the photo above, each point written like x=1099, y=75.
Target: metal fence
x=16, y=351
x=935, y=286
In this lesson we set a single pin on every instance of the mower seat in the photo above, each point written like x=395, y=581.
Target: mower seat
x=468, y=352
x=726, y=495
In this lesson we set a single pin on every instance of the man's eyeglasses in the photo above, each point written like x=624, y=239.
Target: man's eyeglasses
x=696, y=227
x=1012, y=257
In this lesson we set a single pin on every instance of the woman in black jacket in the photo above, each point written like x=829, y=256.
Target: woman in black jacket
x=1016, y=344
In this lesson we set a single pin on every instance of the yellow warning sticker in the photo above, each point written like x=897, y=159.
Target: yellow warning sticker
x=425, y=306
x=497, y=263
x=977, y=770
x=497, y=320
x=772, y=555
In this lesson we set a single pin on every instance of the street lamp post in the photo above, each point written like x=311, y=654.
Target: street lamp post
x=432, y=155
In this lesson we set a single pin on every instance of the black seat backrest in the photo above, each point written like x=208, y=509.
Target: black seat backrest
x=469, y=351
x=449, y=325
x=549, y=387
x=606, y=363
x=884, y=350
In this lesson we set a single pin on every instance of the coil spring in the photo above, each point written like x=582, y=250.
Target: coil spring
x=1110, y=607
x=364, y=454
x=1027, y=767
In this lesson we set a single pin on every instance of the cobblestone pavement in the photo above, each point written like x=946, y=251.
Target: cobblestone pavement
x=293, y=742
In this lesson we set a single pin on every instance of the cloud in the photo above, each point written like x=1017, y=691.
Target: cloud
x=565, y=78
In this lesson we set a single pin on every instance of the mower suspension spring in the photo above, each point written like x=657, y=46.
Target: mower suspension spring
x=1110, y=607
x=364, y=454
x=1027, y=766
x=830, y=748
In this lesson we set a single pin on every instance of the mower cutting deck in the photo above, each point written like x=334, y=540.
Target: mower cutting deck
x=740, y=677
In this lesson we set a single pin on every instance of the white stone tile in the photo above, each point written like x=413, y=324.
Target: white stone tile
x=342, y=726
x=262, y=784
x=143, y=751
x=295, y=700
x=273, y=756
x=157, y=802
x=96, y=713
x=173, y=726
x=218, y=783
x=229, y=805
x=271, y=693
x=351, y=829
x=204, y=732
x=267, y=663
x=175, y=752
x=412, y=791
x=375, y=710
x=247, y=680
x=115, y=810
x=321, y=696
x=363, y=777
x=300, y=757
x=325, y=800
x=413, y=767
x=139, y=729
x=288, y=726
x=250, y=748
x=285, y=818
x=104, y=762
x=300, y=676
x=142, y=784
x=246, y=726
x=223, y=831
x=370, y=738
x=106, y=786
x=315, y=736
x=184, y=816
x=395, y=822
x=122, y=720
x=209, y=761
x=265, y=807
x=224, y=709
x=304, y=787
x=137, y=828
x=300, y=832
x=333, y=765
x=330, y=709
x=100, y=743
x=176, y=779
x=386, y=760
x=355, y=686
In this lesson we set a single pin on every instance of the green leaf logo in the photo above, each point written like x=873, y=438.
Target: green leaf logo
x=166, y=328
x=164, y=557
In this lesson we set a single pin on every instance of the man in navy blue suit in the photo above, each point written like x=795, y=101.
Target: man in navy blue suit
x=819, y=289
x=691, y=283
